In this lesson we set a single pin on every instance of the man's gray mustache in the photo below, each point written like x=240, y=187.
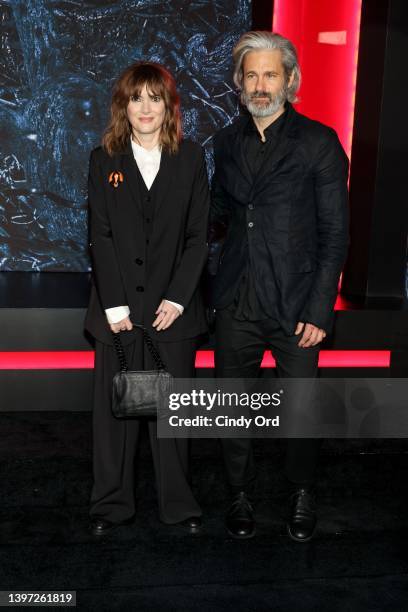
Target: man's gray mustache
x=261, y=94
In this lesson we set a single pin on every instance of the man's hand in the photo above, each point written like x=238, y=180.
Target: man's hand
x=166, y=315
x=312, y=335
x=123, y=325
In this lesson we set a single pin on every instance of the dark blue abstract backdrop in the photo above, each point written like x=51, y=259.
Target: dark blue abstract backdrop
x=58, y=62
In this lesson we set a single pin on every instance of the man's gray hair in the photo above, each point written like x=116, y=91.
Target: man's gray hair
x=258, y=40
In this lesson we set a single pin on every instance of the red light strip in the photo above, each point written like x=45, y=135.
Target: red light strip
x=84, y=360
x=327, y=359
x=47, y=360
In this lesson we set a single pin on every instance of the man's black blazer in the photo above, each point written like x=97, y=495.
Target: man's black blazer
x=128, y=268
x=291, y=220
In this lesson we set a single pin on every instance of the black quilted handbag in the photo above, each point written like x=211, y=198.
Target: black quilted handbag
x=140, y=394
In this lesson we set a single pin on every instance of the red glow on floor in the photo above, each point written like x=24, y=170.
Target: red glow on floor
x=84, y=360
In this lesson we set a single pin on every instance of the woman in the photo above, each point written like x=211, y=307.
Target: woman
x=148, y=199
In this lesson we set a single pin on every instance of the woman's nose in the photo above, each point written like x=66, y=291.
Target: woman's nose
x=146, y=106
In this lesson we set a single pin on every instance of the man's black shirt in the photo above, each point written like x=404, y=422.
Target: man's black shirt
x=246, y=305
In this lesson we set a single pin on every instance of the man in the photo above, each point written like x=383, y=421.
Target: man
x=280, y=197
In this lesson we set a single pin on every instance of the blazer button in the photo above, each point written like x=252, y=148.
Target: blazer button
x=139, y=261
x=250, y=224
x=148, y=199
x=139, y=288
x=251, y=206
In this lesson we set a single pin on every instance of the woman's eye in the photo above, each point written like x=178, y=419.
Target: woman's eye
x=156, y=98
x=135, y=98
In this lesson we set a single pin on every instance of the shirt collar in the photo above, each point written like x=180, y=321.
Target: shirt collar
x=273, y=130
x=145, y=153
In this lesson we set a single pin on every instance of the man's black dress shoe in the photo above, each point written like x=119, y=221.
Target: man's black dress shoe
x=302, y=515
x=193, y=524
x=240, y=520
x=100, y=526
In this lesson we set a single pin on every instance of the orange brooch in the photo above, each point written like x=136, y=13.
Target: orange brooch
x=115, y=178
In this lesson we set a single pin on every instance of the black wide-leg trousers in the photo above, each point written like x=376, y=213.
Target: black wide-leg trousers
x=240, y=346
x=115, y=440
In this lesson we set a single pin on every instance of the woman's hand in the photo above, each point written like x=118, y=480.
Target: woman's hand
x=166, y=315
x=123, y=325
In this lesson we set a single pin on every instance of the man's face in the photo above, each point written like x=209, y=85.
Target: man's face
x=146, y=113
x=264, y=86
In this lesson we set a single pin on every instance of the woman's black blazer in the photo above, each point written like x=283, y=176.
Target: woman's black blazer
x=143, y=251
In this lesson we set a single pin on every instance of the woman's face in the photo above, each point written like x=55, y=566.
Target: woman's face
x=146, y=113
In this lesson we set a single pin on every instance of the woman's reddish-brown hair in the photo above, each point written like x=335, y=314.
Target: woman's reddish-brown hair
x=159, y=82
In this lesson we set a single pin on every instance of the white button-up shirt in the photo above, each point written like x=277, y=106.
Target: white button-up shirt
x=148, y=162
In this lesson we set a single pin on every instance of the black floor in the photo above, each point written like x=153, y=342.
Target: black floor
x=357, y=561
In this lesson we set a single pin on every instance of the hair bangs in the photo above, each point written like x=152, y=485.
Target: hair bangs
x=148, y=76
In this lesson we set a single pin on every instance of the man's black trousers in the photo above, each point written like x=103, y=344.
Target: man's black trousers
x=240, y=346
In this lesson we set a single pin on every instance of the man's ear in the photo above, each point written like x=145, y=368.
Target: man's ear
x=291, y=79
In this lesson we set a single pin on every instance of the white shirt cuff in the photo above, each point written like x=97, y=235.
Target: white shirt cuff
x=114, y=315
x=178, y=306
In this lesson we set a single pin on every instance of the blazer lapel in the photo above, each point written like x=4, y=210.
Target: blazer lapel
x=164, y=178
x=238, y=153
x=126, y=197
x=130, y=172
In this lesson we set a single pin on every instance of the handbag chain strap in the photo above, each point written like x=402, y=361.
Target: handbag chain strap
x=149, y=343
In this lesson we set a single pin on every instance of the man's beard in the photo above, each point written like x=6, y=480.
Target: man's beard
x=266, y=110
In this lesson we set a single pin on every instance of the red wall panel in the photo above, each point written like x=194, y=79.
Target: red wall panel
x=326, y=35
